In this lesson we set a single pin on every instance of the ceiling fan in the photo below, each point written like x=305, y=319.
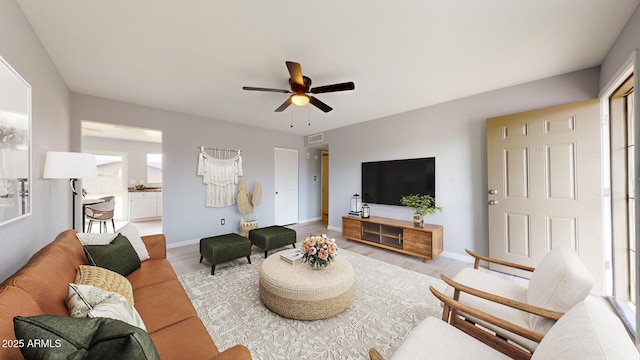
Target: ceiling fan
x=301, y=86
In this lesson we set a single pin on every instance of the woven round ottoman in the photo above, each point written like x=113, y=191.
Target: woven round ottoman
x=300, y=292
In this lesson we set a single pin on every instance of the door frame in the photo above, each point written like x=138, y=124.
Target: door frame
x=322, y=184
x=629, y=67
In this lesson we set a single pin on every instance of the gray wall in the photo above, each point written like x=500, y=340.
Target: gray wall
x=627, y=42
x=185, y=217
x=136, y=154
x=51, y=199
x=453, y=132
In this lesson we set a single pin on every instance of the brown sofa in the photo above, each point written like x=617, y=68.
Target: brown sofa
x=41, y=287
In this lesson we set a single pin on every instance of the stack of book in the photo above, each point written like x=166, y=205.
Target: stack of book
x=292, y=257
x=355, y=213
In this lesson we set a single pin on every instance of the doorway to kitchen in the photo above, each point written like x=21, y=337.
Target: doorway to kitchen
x=130, y=168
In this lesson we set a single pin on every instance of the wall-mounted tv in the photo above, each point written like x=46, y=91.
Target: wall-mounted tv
x=385, y=182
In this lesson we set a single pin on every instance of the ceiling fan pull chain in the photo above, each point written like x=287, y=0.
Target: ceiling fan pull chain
x=309, y=117
x=291, y=113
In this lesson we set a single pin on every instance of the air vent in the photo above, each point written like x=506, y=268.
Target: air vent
x=311, y=139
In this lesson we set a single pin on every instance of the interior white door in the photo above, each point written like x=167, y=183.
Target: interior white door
x=544, y=176
x=286, y=186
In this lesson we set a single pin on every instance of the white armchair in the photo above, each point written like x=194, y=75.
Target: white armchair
x=588, y=331
x=558, y=283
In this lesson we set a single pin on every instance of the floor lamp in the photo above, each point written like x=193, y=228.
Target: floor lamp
x=72, y=166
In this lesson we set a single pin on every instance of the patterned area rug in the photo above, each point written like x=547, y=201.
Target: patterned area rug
x=389, y=301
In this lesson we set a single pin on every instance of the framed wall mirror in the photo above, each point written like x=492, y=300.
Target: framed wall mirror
x=15, y=145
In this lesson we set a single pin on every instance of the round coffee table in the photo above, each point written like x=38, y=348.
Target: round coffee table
x=300, y=292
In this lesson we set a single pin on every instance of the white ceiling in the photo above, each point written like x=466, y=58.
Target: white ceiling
x=194, y=56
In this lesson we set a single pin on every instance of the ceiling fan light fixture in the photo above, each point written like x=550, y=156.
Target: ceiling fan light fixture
x=300, y=99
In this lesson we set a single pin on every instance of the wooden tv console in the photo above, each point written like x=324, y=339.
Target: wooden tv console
x=397, y=235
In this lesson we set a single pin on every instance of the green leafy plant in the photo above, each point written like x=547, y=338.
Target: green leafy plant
x=421, y=204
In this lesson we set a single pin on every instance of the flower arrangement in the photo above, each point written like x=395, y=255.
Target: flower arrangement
x=319, y=250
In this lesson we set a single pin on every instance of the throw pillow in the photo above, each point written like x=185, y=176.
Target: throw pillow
x=95, y=238
x=118, y=256
x=90, y=301
x=63, y=337
x=104, y=279
x=132, y=234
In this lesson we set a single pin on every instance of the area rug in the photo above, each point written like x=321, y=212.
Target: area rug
x=389, y=301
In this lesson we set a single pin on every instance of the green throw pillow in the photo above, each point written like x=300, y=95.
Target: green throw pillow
x=63, y=337
x=118, y=256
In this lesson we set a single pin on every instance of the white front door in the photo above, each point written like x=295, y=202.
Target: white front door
x=545, y=190
x=286, y=186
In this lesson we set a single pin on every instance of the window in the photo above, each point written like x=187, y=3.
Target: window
x=154, y=168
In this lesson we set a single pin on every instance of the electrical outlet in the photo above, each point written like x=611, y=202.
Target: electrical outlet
x=222, y=221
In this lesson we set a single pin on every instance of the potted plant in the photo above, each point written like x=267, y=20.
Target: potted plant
x=422, y=205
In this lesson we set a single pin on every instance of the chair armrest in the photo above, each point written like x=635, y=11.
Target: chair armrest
x=550, y=314
x=502, y=345
x=156, y=245
x=479, y=257
x=374, y=354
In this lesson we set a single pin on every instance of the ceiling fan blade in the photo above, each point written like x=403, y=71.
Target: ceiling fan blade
x=335, y=87
x=265, y=89
x=319, y=104
x=284, y=105
x=296, y=72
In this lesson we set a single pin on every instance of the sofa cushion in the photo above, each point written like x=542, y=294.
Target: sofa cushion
x=132, y=234
x=558, y=283
x=588, y=331
x=434, y=337
x=46, y=277
x=66, y=337
x=104, y=279
x=118, y=256
x=13, y=302
x=90, y=301
x=151, y=272
x=153, y=303
x=198, y=345
x=68, y=243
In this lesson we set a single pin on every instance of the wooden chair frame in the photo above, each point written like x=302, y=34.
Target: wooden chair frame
x=451, y=314
x=456, y=313
x=479, y=257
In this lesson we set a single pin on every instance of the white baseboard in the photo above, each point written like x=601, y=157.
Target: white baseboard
x=456, y=256
x=182, y=243
x=334, y=228
x=309, y=220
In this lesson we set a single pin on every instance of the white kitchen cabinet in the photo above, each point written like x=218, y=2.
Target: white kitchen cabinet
x=145, y=205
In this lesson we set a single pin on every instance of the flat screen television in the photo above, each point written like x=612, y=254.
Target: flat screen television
x=385, y=182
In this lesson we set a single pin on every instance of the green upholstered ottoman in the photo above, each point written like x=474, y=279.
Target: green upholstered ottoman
x=272, y=237
x=223, y=248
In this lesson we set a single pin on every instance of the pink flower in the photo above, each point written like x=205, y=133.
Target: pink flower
x=312, y=251
x=333, y=250
x=323, y=254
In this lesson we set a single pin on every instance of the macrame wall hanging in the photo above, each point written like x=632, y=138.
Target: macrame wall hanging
x=220, y=171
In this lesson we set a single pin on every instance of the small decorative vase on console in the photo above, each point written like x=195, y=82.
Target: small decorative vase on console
x=418, y=219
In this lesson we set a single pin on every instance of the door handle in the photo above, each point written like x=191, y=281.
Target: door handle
x=493, y=202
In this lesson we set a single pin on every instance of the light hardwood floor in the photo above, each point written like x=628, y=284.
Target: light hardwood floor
x=185, y=259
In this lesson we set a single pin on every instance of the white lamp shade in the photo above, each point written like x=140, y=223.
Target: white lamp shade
x=70, y=165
